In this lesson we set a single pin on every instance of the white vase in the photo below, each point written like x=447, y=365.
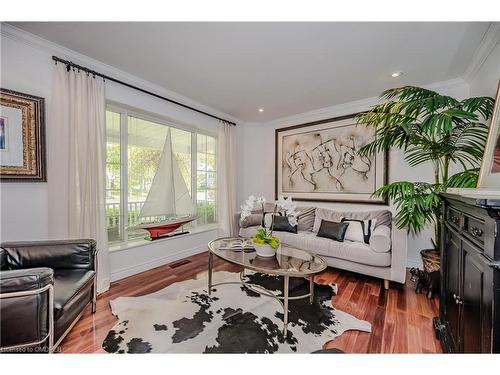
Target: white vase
x=265, y=251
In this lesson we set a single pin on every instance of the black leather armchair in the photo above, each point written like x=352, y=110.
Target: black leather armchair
x=44, y=289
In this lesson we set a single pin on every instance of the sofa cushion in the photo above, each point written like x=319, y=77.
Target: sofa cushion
x=76, y=306
x=248, y=231
x=384, y=217
x=69, y=285
x=347, y=250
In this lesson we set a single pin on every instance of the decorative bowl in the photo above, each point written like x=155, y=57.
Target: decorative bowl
x=265, y=251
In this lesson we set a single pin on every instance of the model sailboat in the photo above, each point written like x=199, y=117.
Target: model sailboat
x=168, y=197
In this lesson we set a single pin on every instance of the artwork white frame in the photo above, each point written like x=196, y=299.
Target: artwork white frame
x=328, y=147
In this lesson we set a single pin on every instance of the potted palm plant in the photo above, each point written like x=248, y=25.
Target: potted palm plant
x=429, y=128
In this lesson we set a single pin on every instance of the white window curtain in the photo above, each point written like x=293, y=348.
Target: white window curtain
x=77, y=162
x=226, y=179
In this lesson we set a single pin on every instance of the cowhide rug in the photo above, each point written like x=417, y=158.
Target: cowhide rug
x=182, y=318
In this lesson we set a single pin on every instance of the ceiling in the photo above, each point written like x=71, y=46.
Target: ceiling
x=284, y=68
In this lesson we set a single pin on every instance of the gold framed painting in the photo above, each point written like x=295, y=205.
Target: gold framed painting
x=22, y=137
x=489, y=177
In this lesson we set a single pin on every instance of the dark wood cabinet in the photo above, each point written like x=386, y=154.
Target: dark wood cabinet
x=452, y=275
x=469, y=319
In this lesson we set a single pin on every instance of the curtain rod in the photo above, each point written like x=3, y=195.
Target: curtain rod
x=94, y=73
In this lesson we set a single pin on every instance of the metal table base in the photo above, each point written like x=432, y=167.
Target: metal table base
x=283, y=300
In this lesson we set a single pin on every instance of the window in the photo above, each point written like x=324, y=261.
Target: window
x=134, y=148
x=206, y=179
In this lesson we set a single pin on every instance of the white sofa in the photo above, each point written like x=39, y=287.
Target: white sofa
x=385, y=259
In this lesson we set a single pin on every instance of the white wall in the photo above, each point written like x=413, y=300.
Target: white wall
x=257, y=161
x=26, y=66
x=24, y=205
x=485, y=81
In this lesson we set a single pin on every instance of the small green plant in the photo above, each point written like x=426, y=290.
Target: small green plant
x=262, y=238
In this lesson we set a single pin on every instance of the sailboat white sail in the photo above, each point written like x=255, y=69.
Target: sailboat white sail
x=168, y=196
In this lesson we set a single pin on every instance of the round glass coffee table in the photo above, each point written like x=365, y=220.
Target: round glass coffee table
x=288, y=262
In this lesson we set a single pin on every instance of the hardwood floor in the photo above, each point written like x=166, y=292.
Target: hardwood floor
x=401, y=319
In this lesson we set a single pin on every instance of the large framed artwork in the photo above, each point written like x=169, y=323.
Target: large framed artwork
x=489, y=176
x=320, y=161
x=22, y=137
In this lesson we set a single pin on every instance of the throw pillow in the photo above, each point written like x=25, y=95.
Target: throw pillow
x=380, y=241
x=359, y=230
x=305, y=218
x=251, y=221
x=332, y=230
x=281, y=224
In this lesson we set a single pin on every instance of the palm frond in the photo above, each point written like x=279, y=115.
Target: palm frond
x=483, y=105
x=445, y=121
x=416, y=203
x=466, y=144
x=408, y=93
x=465, y=179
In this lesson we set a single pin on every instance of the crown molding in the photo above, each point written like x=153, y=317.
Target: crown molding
x=349, y=107
x=446, y=85
x=490, y=39
x=321, y=113
x=34, y=41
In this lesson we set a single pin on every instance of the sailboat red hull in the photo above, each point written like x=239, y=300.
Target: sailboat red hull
x=160, y=230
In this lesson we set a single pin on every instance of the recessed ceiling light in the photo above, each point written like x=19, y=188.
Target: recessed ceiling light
x=396, y=74
x=261, y=109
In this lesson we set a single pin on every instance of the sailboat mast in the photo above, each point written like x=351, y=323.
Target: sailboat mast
x=172, y=169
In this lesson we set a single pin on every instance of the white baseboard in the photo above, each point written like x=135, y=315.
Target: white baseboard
x=141, y=267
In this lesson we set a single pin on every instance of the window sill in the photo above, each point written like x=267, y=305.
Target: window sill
x=120, y=246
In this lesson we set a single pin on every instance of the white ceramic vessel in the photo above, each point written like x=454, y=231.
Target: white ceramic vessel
x=265, y=251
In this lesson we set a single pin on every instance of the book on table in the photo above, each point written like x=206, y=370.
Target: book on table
x=237, y=244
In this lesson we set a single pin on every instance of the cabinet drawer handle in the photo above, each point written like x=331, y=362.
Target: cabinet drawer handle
x=457, y=299
x=476, y=232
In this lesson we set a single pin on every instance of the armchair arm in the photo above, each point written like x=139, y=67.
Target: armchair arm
x=26, y=310
x=73, y=254
x=236, y=223
x=399, y=249
x=26, y=279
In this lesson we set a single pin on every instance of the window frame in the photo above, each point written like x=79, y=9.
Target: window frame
x=206, y=171
x=125, y=111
